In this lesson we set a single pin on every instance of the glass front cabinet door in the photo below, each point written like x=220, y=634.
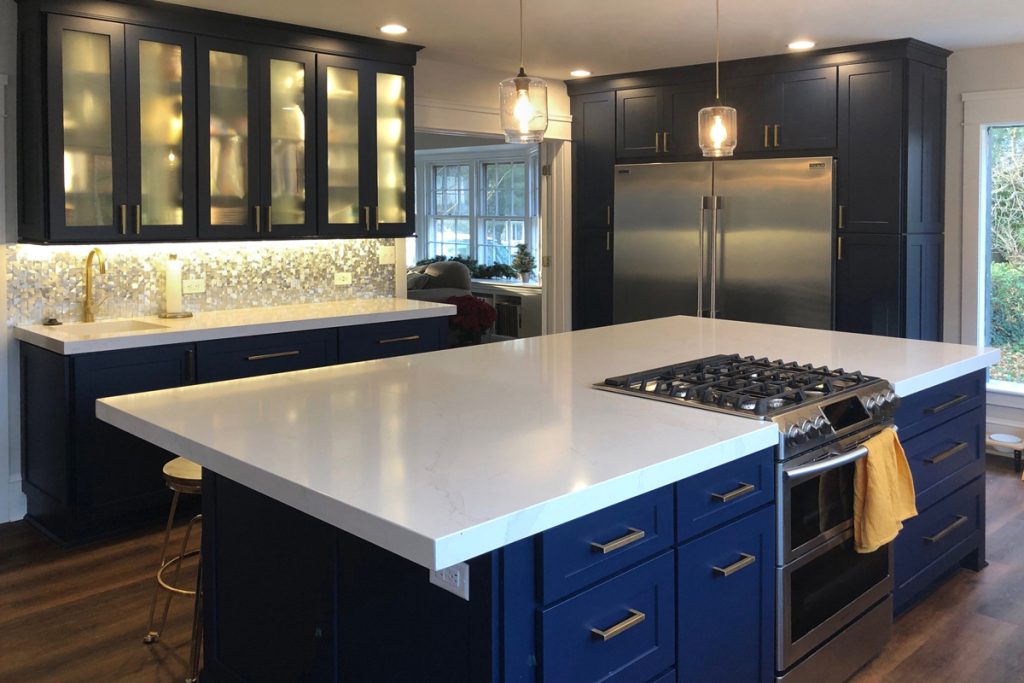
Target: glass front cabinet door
x=365, y=135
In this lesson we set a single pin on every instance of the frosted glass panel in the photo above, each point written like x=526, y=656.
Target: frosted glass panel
x=342, y=145
x=229, y=138
x=390, y=148
x=88, y=157
x=287, y=142
x=160, y=100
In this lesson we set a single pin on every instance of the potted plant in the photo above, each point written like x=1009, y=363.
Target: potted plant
x=473, y=317
x=523, y=262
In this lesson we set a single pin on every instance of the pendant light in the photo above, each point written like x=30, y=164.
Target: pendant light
x=524, y=102
x=716, y=126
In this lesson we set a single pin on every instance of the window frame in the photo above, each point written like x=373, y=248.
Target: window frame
x=476, y=158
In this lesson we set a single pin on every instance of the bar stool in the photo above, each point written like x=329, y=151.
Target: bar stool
x=182, y=477
x=1007, y=442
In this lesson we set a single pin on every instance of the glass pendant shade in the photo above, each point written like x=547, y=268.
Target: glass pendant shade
x=717, y=130
x=524, y=108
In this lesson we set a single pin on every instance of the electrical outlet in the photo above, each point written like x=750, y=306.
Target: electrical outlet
x=454, y=579
x=342, y=278
x=196, y=286
x=386, y=256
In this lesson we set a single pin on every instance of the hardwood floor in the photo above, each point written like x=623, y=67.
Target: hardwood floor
x=79, y=615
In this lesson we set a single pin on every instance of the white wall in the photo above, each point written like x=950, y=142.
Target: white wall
x=985, y=68
x=463, y=98
x=11, y=499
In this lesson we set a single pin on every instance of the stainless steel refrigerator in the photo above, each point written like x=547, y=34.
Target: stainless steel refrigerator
x=737, y=239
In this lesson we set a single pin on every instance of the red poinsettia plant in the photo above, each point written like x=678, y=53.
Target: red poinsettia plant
x=474, y=316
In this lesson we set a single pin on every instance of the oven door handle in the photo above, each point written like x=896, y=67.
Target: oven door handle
x=832, y=463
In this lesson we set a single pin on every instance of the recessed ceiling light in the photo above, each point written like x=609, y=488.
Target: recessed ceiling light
x=393, y=29
x=579, y=73
x=801, y=45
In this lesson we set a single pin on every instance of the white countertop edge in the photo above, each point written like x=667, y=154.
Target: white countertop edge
x=474, y=540
x=949, y=372
x=147, y=338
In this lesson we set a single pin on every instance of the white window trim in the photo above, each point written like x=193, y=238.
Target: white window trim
x=475, y=157
x=982, y=110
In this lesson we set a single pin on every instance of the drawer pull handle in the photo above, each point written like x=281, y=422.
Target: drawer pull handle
x=633, y=536
x=955, y=401
x=395, y=340
x=267, y=356
x=635, y=617
x=959, y=522
x=744, y=561
x=953, y=450
x=741, y=490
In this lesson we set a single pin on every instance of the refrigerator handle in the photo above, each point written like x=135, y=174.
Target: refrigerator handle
x=700, y=257
x=715, y=217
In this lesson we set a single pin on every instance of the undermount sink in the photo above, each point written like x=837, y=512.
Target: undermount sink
x=112, y=326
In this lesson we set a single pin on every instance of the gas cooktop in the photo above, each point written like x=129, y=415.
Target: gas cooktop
x=808, y=403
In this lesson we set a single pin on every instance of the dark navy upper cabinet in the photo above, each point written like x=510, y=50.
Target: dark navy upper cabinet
x=749, y=95
x=803, y=110
x=870, y=182
x=926, y=140
x=661, y=123
x=593, y=126
x=640, y=122
x=162, y=123
x=682, y=104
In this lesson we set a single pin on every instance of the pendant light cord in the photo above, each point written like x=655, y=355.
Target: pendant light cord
x=521, y=59
x=717, y=98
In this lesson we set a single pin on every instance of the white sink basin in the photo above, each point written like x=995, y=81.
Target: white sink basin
x=112, y=326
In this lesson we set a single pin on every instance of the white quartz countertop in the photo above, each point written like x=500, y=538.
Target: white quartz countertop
x=111, y=335
x=440, y=457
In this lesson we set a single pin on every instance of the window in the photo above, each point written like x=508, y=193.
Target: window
x=1004, y=315
x=477, y=202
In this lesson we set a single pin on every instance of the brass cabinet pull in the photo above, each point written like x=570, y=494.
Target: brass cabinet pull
x=777, y=126
x=124, y=219
x=635, y=617
x=766, y=136
x=741, y=490
x=745, y=561
x=657, y=143
x=267, y=356
x=366, y=217
x=839, y=256
x=839, y=223
x=955, y=401
x=376, y=218
x=664, y=142
x=957, y=523
x=633, y=536
x=609, y=217
x=936, y=459
x=259, y=218
x=138, y=219
x=394, y=340
x=270, y=222
x=608, y=241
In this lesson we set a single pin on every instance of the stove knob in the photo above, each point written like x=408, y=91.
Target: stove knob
x=870, y=403
x=793, y=433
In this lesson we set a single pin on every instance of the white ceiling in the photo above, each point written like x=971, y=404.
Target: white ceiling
x=611, y=36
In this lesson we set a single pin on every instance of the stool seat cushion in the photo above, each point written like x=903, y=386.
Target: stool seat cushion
x=183, y=472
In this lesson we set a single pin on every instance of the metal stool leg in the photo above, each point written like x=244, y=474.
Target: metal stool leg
x=197, y=629
x=151, y=635
x=177, y=569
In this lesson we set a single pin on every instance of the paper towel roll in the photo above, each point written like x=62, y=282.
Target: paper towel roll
x=172, y=290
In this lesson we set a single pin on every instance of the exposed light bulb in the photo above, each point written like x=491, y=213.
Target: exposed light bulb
x=523, y=110
x=718, y=132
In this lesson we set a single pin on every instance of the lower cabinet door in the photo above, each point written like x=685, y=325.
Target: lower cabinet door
x=266, y=354
x=727, y=602
x=385, y=340
x=622, y=629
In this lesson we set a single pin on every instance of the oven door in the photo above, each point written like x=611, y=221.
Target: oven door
x=825, y=590
x=816, y=502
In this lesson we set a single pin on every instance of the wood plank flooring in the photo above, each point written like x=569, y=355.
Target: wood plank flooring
x=79, y=615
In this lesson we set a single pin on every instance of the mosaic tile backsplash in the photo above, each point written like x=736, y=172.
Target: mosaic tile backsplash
x=48, y=281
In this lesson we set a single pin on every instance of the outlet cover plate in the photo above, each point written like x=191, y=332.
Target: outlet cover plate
x=196, y=286
x=342, y=278
x=454, y=579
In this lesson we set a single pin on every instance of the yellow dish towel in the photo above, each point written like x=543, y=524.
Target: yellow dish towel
x=883, y=492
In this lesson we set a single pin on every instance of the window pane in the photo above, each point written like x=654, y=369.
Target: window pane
x=1006, y=237
x=451, y=190
x=498, y=240
x=504, y=188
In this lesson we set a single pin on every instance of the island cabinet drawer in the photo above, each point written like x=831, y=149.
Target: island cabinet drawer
x=717, y=496
x=921, y=411
x=925, y=539
x=265, y=354
x=592, y=548
x=384, y=340
x=727, y=602
x=619, y=630
x=947, y=457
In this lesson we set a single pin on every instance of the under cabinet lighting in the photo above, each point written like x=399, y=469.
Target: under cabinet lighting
x=801, y=45
x=393, y=29
x=579, y=73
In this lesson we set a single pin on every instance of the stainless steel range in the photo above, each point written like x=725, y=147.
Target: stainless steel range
x=834, y=606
